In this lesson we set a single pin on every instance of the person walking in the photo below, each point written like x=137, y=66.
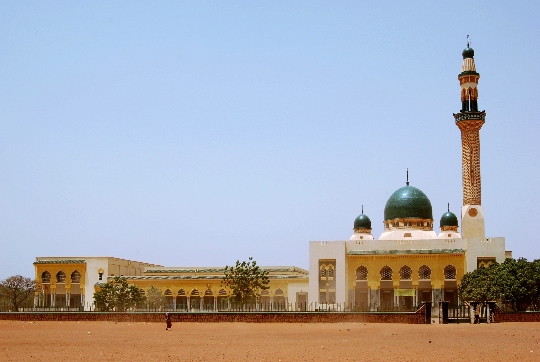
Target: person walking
x=168, y=321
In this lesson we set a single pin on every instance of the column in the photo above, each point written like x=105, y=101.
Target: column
x=188, y=298
x=174, y=303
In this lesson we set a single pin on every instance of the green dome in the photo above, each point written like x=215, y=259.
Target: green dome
x=449, y=219
x=362, y=222
x=408, y=202
x=468, y=53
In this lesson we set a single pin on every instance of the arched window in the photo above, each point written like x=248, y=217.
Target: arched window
x=142, y=292
x=265, y=292
x=208, y=292
x=278, y=292
x=75, y=277
x=222, y=292
x=181, y=292
x=424, y=272
x=361, y=273
x=330, y=272
x=405, y=273
x=386, y=273
x=46, y=277
x=323, y=273
x=195, y=292
x=60, y=277
x=168, y=293
x=449, y=272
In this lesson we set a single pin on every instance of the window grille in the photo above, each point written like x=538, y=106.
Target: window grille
x=60, y=277
x=405, y=273
x=208, y=292
x=168, y=292
x=194, y=292
x=75, y=277
x=386, y=273
x=449, y=272
x=224, y=292
x=361, y=273
x=330, y=273
x=46, y=277
x=181, y=292
x=323, y=273
x=278, y=292
x=424, y=272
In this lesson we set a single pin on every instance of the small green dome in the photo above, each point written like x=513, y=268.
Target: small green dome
x=408, y=202
x=362, y=222
x=468, y=53
x=449, y=219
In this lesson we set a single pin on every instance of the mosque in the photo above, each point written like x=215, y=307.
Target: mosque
x=408, y=264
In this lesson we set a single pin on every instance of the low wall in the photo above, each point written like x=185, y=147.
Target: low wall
x=517, y=317
x=263, y=317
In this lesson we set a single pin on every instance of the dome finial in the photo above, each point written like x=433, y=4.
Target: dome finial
x=362, y=209
x=448, y=206
x=407, y=183
x=468, y=41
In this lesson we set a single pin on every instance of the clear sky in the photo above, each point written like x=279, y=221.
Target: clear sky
x=196, y=133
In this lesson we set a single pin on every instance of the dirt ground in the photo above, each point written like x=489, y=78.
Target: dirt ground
x=124, y=341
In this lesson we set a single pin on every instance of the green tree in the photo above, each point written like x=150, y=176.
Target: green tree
x=155, y=297
x=516, y=284
x=117, y=295
x=17, y=290
x=536, y=270
x=246, y=280
x=479, y=285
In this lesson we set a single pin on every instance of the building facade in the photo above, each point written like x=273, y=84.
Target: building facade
x=410, y=263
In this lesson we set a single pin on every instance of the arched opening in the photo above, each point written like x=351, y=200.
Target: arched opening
x=168, y=299
x=361, y=289
x=60, y=292
x=75, y=277
x=195, y=299
x=208, y=300
x=406, y=292
x=265, y=299
x=327, y=282
x=450, y=285
x=279, y=300
x=45, y=277
x=45, y=295
x=60, y=277
x=424, y=284
x=75, y=300
x=222, y=299
x=386, y=288
x=181, y=300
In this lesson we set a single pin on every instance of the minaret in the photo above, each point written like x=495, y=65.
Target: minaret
x=470, y=120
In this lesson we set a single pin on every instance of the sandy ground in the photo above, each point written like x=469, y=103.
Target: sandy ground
x=124, y=341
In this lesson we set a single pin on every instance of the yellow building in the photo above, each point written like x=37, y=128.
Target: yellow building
x=70, y=283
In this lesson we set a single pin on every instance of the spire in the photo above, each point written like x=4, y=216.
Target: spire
x=407, y=183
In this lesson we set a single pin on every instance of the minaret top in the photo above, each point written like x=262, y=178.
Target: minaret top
x=468, y=52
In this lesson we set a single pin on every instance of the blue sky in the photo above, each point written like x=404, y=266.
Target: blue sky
x=199, y=133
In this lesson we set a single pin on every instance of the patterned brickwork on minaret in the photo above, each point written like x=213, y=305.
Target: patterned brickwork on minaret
x=470, y=156
x=470, y=120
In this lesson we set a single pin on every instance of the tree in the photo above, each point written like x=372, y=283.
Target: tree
x=117, y=295
x=515, y=283
x=17, y=290
x=478, y=285
x=246, y=280
x=155, y=297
